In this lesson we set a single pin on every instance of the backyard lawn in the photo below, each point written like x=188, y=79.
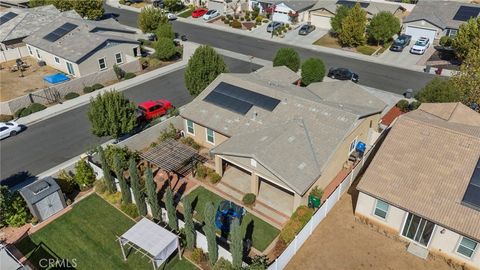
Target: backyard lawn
x=86, y=236
x=261, y=233
x=185, y=14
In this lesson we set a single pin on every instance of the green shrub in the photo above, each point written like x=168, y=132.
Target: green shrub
x=84, y=174
x=97, y=86
x=100, y=186
x=259, y=19
x=123, y=153
x=249, y=199
x=242, y=19
x=88, y=89
x=287, y=57
x=265, y=21
x=236, y=24
x=119, y=72
x=36, y=107
x=130, y=209
x=403, y=105
x=297, y=221
x=236, y=16
x=113, y=198
x=129, y=75
x=214, y=177
x=198, y=256
x=71, y=95
x=66, y=181
x=313, y=70
x=165, y=48
x=169, y=133
x=316, y=192
x=446, y=41
x=173, y=112
x=414, y=105
x=201, y=171
x=258, y=23
x=230, y=17
x=22, y=112
x=223, y=264
x=6, y=117
x=190, y=142
x=226, y=21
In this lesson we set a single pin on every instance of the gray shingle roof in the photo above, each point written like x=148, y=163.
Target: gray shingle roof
x=295, y=141
x=438, y=12
x=40, y=189
x=371, y=8
x=297, y=5
x=81, y=41
x=30, y=20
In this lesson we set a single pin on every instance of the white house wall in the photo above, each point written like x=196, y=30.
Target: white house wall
x=50, y=60
x=8, y=54
x=366, y=206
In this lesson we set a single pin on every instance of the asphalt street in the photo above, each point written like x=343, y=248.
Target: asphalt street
x=62, y=137
x=389, y=78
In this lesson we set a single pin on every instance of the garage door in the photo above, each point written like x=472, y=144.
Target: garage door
x=417, y=32
x=217, y=6
x=320, y=21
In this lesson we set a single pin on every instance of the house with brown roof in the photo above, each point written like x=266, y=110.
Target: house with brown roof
x=424, y=182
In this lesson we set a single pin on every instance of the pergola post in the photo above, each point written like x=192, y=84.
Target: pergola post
x=179, y=251
x=153, y=264
x=123, y=251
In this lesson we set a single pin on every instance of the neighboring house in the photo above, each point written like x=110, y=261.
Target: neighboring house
x=284, y=8
x=80, y=47
x=227, y=6
x=321, y=14
x=434, y=19
x=18, y=23
x=424, y=181
x=279, y=139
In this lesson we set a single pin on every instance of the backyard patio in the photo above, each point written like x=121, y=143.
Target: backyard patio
x=86, y=237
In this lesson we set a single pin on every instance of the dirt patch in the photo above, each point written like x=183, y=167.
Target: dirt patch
x=341, y=242
x=248, y=25
x=328, y=41
x=13, y=85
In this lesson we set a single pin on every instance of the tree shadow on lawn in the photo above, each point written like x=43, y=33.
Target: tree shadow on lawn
x=42, y=256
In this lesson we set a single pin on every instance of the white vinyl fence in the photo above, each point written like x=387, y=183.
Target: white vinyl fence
x=282, y=261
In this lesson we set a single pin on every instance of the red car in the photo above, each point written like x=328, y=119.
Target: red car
x=149, y=110
x=199, y=12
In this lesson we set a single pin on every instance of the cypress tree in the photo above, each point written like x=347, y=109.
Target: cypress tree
x=136, y=188
x=171, y=211
x=190, y=233
x=236, y=246
x=209, y=229
x=152, y=196
x=124, y=188
x=107, y=174
x=353, y=27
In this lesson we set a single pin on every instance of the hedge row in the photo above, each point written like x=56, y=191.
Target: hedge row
x=33, y=108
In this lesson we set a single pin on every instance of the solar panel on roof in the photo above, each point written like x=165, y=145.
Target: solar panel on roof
x=254, y=98
x=229, y=103
x=464, y=13
x=60, y=32
x=471, y=197
x=350, y=4
x=7, y=17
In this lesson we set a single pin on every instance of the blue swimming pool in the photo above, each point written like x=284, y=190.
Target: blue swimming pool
x=56, y=78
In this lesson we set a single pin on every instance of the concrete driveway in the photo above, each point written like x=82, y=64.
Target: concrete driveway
x=405, y=58
x=291, y=37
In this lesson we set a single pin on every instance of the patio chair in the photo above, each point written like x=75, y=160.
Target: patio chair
x=14, y=68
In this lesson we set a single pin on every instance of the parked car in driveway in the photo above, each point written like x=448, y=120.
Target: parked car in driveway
x=306, y=29
x=420, y=46
x=152, y=109
x=157, y=3
x=171, y=16
x=400, y=43
x=212, y=13
x=274, y=26
x=8, y=129
x=199, y=12
x=343, y=74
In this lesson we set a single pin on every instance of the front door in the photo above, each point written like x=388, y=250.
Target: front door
x=418, y=229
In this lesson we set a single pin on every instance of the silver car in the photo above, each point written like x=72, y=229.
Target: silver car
x=274, y=26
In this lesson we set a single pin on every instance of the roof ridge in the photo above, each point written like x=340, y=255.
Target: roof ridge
x=310, y=144
x=422, y=121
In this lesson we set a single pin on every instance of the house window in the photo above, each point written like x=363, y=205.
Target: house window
x=353, y=145
x=467, y=247
x=57, y=60
x=70, y=68
x=102, y=63
x=210, y=136
x=30, y=50
x=381, y=209
x=38, y=54
x=118, y=58
x=418, y=229
x=190, y=128
x=452, y=32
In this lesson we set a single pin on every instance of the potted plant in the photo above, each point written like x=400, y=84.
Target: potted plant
x=249, y=199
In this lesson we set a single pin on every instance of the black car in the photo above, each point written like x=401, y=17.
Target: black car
x=400, y=43
x=306, y=29
x=157, y=3
x=107, y=16
x=342, y=74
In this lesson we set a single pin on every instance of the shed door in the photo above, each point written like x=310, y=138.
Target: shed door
x=418, y=32
x=49, y=206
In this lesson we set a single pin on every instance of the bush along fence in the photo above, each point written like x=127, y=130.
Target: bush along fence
x=282, y=261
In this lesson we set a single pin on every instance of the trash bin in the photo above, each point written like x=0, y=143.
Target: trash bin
x=313, y=201
x=409, y=93
x=427, y=68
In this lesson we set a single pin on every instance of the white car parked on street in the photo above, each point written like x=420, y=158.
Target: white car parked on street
x=171, y=16
x=420, y=46
x=8, y=129
x=212, y=13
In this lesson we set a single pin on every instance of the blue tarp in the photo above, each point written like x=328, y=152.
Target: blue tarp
x=56, y=78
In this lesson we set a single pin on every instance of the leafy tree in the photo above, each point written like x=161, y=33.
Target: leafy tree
x=165, y=48
x=90, y=9
x=190, y=232
x=287, y=57
x=124, y=154
x=468, y=79
x=467, y=38
x=353, y=28
x=209, y=229
x=313, y=70
x=16, y=212
x=340, y=14
x=119, y=72
x=202, y=68
x=383, y=26
x=170, y=5
x=36, y=3
x=152, y=195
x=84, y=174
x=236, y=244
x=111, y=114
x=107, y=174
x=165, y=30
x=137, y=188
x=124, y=188
x=439, y=90
x=149, y=19
x=171, y=210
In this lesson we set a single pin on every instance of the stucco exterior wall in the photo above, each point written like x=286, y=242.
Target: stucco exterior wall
x=366, y=207
x=200, y=135
x=50, y=60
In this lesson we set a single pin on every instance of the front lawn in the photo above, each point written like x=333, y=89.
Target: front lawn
x=86, y=236
x=261, y=233
x=185, y=14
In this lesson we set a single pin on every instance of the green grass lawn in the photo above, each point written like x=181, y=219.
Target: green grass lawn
x=185, y=14
x=262, y=234
x=366, y=49
x=86, y=235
